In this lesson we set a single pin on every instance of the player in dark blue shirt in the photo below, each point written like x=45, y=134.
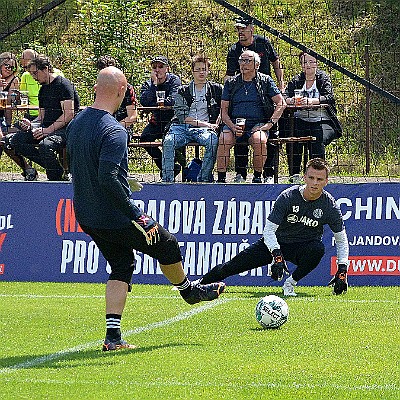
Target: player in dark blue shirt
x=97, y=152
x=294, y=232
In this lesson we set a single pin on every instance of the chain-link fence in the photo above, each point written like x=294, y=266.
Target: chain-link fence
x=355, y=41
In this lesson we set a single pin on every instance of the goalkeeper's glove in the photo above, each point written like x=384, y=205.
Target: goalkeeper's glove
x=279, y=266
x=339, y=281
x=147, y=226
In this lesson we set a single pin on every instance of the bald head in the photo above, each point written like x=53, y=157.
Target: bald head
x=110, y=87
x=27, y=55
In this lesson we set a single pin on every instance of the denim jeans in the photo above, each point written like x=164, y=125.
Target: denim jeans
x=180, y=135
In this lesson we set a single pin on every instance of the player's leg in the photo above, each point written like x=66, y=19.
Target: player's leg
x=164, y=247
x=306, y=256
x=121, y=260
x=254, y=256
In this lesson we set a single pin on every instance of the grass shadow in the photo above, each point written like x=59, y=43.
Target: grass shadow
x=76, y=358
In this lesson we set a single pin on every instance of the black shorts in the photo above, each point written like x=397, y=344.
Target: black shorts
x=117, y=247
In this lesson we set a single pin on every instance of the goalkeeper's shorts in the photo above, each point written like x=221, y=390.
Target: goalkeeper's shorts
x=117, y=247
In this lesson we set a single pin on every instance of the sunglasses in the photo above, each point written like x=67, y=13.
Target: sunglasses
x=245, y=60
x=8, y=66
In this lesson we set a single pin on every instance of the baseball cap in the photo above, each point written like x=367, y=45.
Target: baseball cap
x=161, y=59
x=243, y=22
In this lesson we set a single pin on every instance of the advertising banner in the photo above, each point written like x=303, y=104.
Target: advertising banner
x=40, y=239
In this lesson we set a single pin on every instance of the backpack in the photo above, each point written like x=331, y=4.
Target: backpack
x=192, y=170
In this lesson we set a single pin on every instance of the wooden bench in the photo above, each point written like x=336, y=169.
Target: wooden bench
x=278, y=142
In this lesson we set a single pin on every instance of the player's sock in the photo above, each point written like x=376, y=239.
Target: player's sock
x=113, y=324
x=184, y=287
x=291, y=280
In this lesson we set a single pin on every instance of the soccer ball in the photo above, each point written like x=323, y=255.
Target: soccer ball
x=272, y=312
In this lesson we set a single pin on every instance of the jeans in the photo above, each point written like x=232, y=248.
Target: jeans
x=42, y=152
x=180, y=135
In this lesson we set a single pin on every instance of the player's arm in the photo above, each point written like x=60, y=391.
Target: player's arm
x=113, y=189
x=279, y=266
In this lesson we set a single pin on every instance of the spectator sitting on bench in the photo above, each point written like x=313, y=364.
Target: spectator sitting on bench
x=316, y=88
x=255, y=97
x=58, y=103
x=197, y=116
x=160, y=80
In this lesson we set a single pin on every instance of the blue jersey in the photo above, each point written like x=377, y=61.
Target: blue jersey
x=94, y=136
x=300, y=220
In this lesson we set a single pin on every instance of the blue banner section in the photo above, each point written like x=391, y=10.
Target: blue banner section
x=40, y=239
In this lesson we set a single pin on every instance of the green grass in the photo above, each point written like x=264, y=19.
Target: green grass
x=332, y=347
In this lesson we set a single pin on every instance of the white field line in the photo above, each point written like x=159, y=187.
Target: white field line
x=160, y=324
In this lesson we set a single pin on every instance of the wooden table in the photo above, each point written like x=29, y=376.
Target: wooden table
x=290, y=111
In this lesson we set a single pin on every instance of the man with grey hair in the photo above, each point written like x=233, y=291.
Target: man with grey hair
x=252, y=96
x=261, y=44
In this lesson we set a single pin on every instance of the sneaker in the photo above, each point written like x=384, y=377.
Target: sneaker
x=31, y=174
x=296, y=179
x=269, y=180
x=239, y=179
x=257, y=179
x=288, y=289
x=204, y=292
x=110, y=345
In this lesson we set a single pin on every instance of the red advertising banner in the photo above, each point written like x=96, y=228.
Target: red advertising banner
x=370, y=265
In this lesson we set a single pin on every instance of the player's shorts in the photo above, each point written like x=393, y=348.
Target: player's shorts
x=117, y=247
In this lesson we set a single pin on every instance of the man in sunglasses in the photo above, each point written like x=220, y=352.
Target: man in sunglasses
x=268, y=56
x=255, y=97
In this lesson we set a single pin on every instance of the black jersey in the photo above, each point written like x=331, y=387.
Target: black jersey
x=300, y=220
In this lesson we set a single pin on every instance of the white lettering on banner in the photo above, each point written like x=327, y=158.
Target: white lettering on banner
x=373, y=240
x=81, y=256
x=5, y=222
x=229, y=217
x=232, y=222
x=374, y=265
x=371, y=208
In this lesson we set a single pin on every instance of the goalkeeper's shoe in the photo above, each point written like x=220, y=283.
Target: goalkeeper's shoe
x=288, y=288
x=116, y=344
x=201, y=292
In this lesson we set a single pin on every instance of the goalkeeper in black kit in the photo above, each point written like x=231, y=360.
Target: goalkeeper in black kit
x=293, y=232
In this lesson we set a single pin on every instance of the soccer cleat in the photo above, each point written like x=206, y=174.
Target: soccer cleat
x=288, y=289
x=201, y=292
x=239, y=179
x=110, y=345
x=269, y=180
x=257, y=179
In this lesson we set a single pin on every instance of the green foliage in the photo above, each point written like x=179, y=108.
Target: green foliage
x=341, y=348
x=132, y=31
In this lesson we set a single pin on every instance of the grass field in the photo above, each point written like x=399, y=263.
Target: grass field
x=343, y=347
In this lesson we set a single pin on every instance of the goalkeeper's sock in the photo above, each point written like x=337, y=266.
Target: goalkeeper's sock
x=291, y=280
x=184, y=287
x=113, y=324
